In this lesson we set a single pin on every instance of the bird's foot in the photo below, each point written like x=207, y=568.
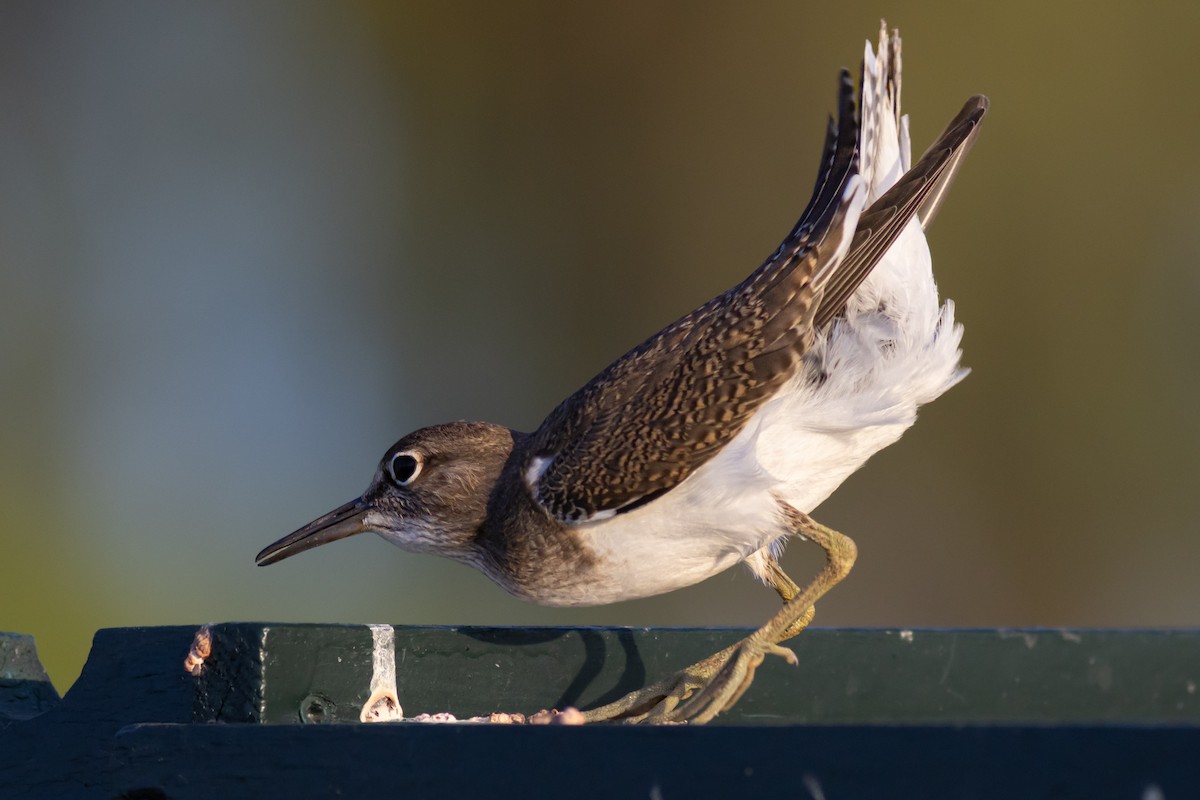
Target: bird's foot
x=697, y=693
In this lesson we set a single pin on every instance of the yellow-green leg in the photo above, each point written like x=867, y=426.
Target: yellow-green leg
x=778, y=580
x=698, y=693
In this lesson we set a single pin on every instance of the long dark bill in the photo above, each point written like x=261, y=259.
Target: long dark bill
x=343, y=521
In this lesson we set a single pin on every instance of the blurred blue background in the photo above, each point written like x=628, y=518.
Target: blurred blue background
x=246, y=246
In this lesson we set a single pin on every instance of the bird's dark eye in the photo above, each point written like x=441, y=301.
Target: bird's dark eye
x=404, y=468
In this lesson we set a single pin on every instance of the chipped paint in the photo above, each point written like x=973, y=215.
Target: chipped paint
x=383, y=704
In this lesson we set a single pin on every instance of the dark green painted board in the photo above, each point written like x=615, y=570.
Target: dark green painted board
x=132, y=675
x=875, y=713
x=434, y=762
x=25, y=688
x=844, y=676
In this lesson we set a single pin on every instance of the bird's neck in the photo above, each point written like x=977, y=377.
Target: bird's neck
x=519, y=546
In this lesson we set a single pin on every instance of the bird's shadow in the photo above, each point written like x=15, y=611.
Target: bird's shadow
x=597, y=643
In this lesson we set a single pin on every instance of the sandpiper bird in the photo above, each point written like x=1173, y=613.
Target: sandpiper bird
x=708, y=444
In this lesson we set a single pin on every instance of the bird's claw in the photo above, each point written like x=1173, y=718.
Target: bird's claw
x=730, y=682
x=697, y=693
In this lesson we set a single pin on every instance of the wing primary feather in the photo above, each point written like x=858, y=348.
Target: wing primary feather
x=837, y=160
x=881, y=224
x=977, y=106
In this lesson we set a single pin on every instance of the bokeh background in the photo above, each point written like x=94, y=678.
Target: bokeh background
x=246, y=246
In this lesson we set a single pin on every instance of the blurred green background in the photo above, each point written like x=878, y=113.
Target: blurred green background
x=246, y=246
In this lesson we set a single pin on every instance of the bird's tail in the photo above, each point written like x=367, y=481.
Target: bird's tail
x=896, y=191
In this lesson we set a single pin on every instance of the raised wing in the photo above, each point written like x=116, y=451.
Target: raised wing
x=646, y=422
x=652, y=417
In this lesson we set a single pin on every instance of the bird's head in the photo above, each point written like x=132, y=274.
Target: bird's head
x=429, y=494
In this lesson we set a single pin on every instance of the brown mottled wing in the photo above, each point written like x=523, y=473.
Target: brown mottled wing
x=919, y=191
x=647, y=421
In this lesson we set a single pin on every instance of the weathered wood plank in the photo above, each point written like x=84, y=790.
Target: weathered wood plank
x=201, y=762
x=844, y=676
x=980, y=713
x=132, y=675
x=25, y=688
